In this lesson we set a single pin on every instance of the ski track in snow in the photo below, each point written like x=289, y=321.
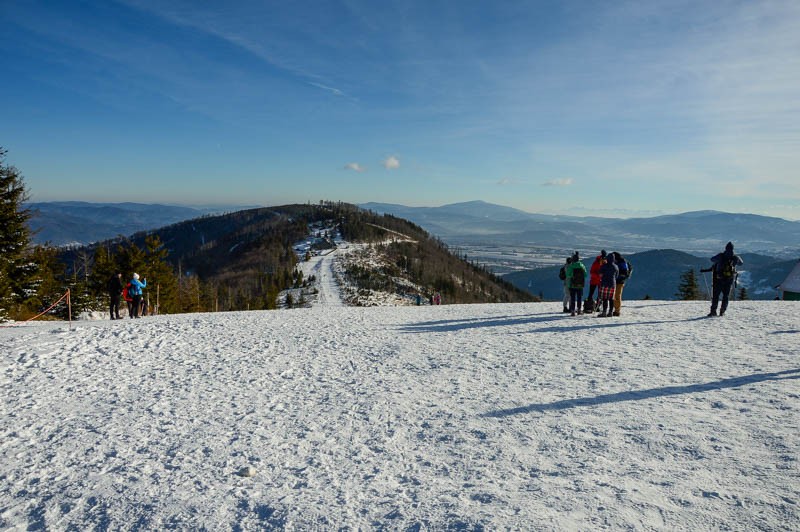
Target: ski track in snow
x=462, y=417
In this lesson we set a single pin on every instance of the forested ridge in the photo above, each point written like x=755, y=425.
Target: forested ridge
x=243, y=260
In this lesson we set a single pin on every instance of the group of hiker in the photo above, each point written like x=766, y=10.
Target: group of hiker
x=608, y=274
x=607, y=277
x=131, y=293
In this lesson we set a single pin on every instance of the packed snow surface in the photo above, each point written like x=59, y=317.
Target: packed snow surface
x=460, y=417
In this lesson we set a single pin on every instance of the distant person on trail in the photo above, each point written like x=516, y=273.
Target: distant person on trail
x=562, y=274
x=608, y=283
x=576, y=279
x=135, y=291
x=114, y=287
x=594, y=282
x=625, y=271
x=724, y=277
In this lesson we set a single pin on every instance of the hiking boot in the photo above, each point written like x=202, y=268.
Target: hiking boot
x=565, y=310
x=572, y=314
x=712, y=313
x=616, y=314
x=602, y=315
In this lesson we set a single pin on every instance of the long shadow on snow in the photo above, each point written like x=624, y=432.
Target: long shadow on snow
x=640, y=395
x=473, y=323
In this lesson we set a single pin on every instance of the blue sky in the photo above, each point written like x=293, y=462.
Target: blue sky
x=618, y=108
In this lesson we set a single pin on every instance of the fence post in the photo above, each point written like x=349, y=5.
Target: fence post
x=69, y=307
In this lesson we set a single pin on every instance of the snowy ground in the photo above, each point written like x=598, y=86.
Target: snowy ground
x=462, y=417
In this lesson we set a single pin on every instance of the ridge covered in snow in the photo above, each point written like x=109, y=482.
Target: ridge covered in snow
x=457, y=416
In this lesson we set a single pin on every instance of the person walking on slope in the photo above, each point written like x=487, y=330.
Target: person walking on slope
x=594, y=282
x=608, y=283
x=562, y=274
x=625, y=271
x=724, y=276
x=114, y=287
x=576, y=279
x=136, y=293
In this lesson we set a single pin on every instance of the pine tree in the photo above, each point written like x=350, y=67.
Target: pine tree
x=14, y=238
x=743, y=296
x=688, y=289
x=161, y=280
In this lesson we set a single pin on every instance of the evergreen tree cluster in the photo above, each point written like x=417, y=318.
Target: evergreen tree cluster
x=29, y=275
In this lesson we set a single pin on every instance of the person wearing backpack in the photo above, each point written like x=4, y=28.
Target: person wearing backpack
x=562, y=274
x=724, y=276
x=576, y=279
x=608, y=284
x=625, y=270
x=135, y=292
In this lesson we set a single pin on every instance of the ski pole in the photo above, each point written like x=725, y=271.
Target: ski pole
x=705, y=280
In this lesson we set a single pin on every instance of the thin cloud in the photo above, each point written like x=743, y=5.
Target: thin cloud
x=566, y=182
x=391, y=163
x=332, y=90
x=355, y=167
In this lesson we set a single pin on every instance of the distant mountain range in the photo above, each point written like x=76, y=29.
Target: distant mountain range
x=657, y=275
x=478, y=222
x=77, y=222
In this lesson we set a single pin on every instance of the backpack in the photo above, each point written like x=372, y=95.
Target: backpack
x=562, y=274
x=131, y=290
x=578, y=278
x=727, y=269
x=625, y=269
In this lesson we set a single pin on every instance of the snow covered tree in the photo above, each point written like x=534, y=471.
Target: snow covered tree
x=14, y=237
x=688, y=289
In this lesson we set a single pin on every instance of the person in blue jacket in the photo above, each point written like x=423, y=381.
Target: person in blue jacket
x=136, y=293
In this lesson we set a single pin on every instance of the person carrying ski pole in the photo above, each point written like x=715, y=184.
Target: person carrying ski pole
x=723, y=277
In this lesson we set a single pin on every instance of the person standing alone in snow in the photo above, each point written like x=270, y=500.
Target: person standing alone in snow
x=724, y=276
x=576, y=279
x=114, y=288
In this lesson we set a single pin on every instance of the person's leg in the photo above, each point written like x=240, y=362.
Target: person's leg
x=618, y=299
x=726, y=292
x=716, y=291
x=566, y=298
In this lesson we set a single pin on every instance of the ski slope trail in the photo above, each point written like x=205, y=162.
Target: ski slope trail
x=322, y=266
x=462, y=417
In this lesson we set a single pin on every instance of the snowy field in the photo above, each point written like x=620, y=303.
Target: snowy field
x=410, y=418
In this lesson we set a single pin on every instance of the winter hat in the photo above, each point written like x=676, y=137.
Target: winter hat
x=576, y=257
x=729, y=246
x=603, y=253
x=135, y=275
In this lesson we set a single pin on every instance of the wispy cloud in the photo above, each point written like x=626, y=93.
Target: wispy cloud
x=564, y=182
x=391, y=163
x=355, y=167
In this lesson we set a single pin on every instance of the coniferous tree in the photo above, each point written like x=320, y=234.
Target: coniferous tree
x=161, y=280
x=14, y=238
x=743, y=295
x=688, y=289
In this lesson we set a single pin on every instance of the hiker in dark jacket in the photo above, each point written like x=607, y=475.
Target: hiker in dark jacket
x=114, y=288
x=724, y=267
x=625, y=271
x=608, y=283
x=562, y=274
x=576, y=279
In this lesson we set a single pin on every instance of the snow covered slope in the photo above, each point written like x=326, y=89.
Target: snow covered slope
x=463, y=417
